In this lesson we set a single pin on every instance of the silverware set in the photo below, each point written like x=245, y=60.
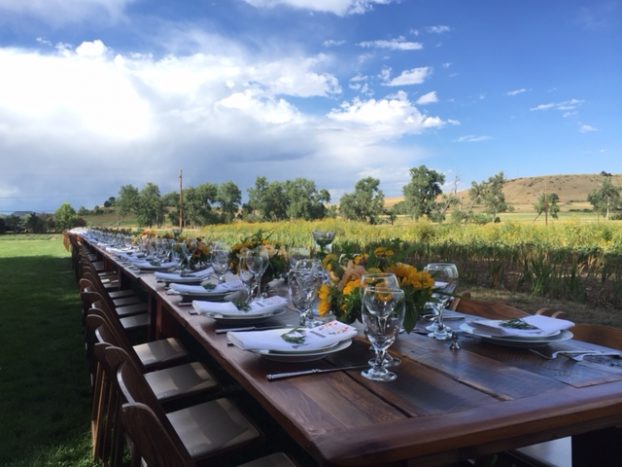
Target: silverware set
x=577, y=355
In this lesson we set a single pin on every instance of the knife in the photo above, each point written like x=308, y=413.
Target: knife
x=249, y=328
x=313, y=371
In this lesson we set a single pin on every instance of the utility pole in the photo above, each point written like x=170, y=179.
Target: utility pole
x=181, y=201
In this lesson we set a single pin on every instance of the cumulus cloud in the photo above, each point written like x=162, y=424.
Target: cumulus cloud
x=407, y=77
x=473, y=139
x=584, y=128
x=438, y=29
x=59, y=12
x=399, y=43
x=428, y=98
x=337, y=7
x=516, y=92
x=388, y=118
x=568, y=105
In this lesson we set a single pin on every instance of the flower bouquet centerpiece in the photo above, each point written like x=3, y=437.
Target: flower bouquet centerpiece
x=194, y=253
x=343, y=292
x=277, y=265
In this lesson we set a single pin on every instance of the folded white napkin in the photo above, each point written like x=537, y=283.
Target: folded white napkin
x=544, y=327
x=220, y=288
x=320, y=337
x=187, y=277
x=260, y=306
x=144, y=264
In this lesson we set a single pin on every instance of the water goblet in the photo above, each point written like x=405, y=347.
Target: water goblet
x=446, y=279
x=247, y=277
x=323, y=239
x=382, y=279
x=383, y=315
x=257, y=261
x=220, y=261
x=303, y=283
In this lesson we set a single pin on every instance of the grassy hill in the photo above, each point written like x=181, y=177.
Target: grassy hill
x=522, y=193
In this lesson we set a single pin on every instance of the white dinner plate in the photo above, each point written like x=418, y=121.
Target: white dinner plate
x=241, y=318
x=296, y=357
x=517, y=341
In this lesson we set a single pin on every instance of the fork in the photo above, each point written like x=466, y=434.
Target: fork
x=576, y=355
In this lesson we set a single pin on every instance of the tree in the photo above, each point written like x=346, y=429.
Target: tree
x=2, y=225
x=198, y=204
x=304, y=199
x=229, y=197
x=128, y=199
x=34, y=223
x=606, y=198
x=490, y=194
x=268, y=200
x=547, y=203
x=365, y=204
x=110, y=202
x=149, y=209
x=65, y=217
x=422, y=191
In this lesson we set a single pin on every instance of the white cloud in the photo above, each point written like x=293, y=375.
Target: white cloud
x=333, y=43
x=407, y=77
x=399, y=43
x=516, y=92
x=568, y=105
x=473, y=139
x=587, y=129
x=428, y=98
x=388, y=118
x=66, y=11
x=439, y=29
x=337, y=7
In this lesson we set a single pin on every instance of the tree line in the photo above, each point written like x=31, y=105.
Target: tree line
x=300, y=198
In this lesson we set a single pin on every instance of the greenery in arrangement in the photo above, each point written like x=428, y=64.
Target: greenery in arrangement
x=45, y=403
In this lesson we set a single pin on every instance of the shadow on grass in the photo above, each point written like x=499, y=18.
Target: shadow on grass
x=44, y=382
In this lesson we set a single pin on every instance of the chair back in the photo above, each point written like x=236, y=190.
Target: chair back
x=490, y=310
x=598, y=334
x=130, y=380
x=151, y=439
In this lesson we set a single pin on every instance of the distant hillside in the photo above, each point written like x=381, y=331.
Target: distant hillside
x=522, y=192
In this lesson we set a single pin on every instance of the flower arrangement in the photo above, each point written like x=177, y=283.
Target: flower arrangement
x=278, y=260
x=342, y=294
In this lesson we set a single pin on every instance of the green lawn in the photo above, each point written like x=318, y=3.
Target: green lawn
x=44, y=388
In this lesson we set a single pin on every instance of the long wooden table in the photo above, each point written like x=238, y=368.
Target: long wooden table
x=444, y=406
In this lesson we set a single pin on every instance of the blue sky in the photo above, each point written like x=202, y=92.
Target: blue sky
x=95, y=94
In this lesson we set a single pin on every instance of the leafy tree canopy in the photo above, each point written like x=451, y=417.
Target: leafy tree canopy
x=366, y=203
x=421, y=192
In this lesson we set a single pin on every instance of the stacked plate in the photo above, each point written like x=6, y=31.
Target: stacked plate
x=229, y=313
x=529, y=331
x=296, y=344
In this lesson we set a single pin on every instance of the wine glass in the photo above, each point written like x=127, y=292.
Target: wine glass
x=323, y=239
x=247, y=277
x=220, y=261
x=383, y=315
x=382, y=279
x=257, y=261
x=446, y=280
x=303, y=282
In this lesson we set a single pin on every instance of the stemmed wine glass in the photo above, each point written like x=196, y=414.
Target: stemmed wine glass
x=304, y=280
x=323, y=239
x=446, y=280
x=382, y=279
x=247, y=277
x=220, y=261
x=257, y=261
x=383, y=315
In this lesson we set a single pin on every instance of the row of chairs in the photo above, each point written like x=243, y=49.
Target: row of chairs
x=150, y=399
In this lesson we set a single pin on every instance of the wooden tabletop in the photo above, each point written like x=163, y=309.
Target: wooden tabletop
x=444, y=405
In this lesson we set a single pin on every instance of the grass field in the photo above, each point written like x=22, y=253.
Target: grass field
x=44, y=389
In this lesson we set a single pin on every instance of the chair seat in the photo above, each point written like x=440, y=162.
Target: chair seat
x=124, y=301
x=278, y=459
x=131, y=323
x=128, y=310
x=181, y=380
x=160, y=351
x=114, y=294
x=211, y=428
